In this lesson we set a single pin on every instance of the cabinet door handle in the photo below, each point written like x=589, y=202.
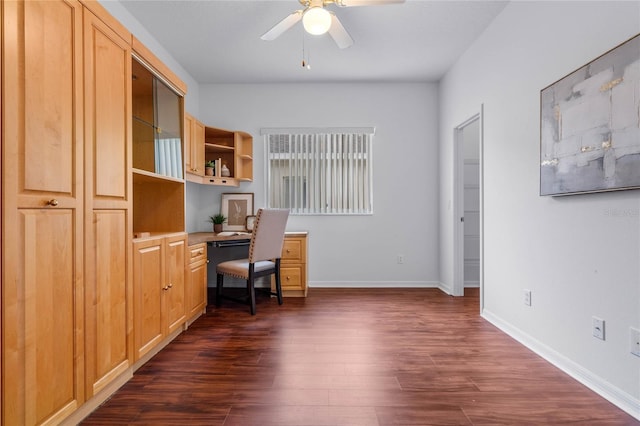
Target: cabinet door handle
x=288, y=278
x=165, y=288
x=288, y=251
x=53, y=202
x=170, y=286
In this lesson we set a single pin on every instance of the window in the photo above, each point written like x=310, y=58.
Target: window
x=319, y=171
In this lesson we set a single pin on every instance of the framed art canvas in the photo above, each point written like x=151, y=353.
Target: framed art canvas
x=590, y=126
x=236, y=207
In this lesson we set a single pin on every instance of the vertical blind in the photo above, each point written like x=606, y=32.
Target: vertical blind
x=320, y=171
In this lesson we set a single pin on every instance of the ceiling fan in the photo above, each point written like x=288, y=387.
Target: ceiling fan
x=317, y=20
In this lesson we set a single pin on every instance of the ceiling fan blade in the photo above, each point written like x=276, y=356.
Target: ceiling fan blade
x=282, y=26
x=339, y=34
x=350, y=3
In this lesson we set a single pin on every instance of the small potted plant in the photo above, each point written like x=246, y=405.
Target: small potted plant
x=217, y=221
x=210, y=168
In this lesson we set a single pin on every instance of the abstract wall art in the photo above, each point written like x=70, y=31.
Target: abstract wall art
x=590, y=126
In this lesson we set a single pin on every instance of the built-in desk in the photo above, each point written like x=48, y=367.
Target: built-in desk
x=294, y=257
x=211, y=237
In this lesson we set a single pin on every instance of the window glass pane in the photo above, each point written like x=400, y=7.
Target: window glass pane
x=320, y=173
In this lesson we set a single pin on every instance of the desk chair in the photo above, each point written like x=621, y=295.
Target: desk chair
x=265, y=250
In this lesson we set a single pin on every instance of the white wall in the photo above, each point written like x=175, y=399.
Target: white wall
x=350, y=251
x=347, y=250
x=579, y=255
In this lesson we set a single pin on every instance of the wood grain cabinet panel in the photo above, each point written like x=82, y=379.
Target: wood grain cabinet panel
x=108, y=202
x=189, y=165
x=159, y=290
x=174, y=291
x=108, y=293
x=51, y=340
x=196, y=281
x=293, y=268
x=292, y=279
x=148, y=282
x=70, y=335
x=194, y=145
x=42, y=211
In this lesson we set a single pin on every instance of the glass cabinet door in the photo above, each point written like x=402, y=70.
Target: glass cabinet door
x=157, y=130
x=168, y=141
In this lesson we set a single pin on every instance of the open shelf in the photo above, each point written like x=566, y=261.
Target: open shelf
x=158, y=175
x=233, y=149
x=140, y=175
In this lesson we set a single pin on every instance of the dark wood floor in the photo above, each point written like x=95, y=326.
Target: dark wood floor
x=352, y=357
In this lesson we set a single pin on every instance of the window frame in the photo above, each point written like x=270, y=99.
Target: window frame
x=363, y=140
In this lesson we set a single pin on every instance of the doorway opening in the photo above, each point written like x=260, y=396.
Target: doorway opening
x=468, y=206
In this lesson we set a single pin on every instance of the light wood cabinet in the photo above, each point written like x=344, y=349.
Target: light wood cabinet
x=293, y=266
x=232, y=149
x=158, y=202
x=71, y=205
x=196, y=280
x=158, y=178
x=108, y=201
x=148, y=282
x=194, y=146
x=43, y=362
x=159, y=289
x=175, y=290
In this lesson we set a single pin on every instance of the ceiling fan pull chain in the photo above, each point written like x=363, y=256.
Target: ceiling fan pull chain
x=305, y=62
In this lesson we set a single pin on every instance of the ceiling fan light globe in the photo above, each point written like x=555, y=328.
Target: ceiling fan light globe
x=316, y=21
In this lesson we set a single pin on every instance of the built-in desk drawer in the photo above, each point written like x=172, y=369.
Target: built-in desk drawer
x=293, y=269
x=197, y=253
x=293, y=250
x=291, y=277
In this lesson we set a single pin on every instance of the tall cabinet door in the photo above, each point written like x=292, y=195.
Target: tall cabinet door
x=108, y=221
x=197, y=147
x=194, y=145
x=148, y=284
x=188, y=149
x=42, y=299
x=175, y=288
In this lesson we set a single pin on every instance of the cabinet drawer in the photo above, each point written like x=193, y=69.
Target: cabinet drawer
x=293, y=251
x=291, y=278
x=197, y=253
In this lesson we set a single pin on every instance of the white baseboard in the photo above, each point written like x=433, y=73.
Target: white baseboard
x=616, y=396
x=445, y=288
x=472, y=284
x=374, y=284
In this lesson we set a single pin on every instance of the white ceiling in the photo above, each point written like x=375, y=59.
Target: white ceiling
x=219, y=41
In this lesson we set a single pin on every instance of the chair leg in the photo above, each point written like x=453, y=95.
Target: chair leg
x=278, y=282
x=251, y=290
x=219, y=284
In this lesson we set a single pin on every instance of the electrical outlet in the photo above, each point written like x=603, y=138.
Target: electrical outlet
x=527, y=297
x=598, y=327
x=400, y=259
x=634, y=340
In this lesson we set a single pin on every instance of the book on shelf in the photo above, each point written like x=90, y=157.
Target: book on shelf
x=218, y=167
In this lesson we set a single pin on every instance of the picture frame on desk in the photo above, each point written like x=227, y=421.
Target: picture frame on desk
x=236, y=207
x=250, y=222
